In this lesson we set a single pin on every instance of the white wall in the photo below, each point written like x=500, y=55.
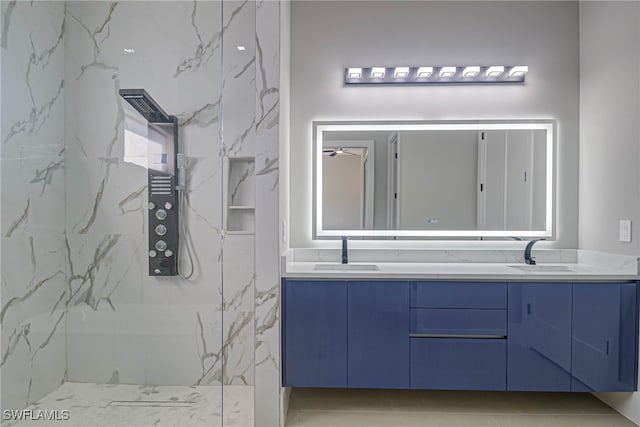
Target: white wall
x=609, y=124
x=327, y=36
x=610, y=138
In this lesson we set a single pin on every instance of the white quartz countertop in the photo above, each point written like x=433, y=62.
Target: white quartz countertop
x=458, y=271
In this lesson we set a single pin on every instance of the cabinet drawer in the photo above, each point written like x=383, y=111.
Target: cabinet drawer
x=458, y=364
x=456, y=321
x=458, y=295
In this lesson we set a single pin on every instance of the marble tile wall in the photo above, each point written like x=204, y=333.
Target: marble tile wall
x=124, y=326
x=267, y=293
x=74, y=229
x=238, y=149
x=32, y=163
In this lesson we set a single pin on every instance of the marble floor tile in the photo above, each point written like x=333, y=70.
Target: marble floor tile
x=117, y=405
x=238, y=405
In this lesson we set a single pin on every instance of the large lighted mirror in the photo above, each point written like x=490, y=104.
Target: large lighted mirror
x=466, y=179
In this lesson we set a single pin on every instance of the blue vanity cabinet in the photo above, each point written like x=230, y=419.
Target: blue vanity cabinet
x=539, y=339
x=519, y=336
x=604, y=337
x=315, y=333
x=458, y=335
x=378, y=349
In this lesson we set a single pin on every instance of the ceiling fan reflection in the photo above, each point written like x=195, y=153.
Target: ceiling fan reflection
x=332, y=152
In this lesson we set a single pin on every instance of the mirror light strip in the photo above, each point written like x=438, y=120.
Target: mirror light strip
x=432, y=75
x=545, y=124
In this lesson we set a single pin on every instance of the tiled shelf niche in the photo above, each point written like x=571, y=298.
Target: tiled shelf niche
x=241, y=195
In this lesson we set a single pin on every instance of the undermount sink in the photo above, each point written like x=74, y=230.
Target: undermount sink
x=346, y=267
x=543, y=267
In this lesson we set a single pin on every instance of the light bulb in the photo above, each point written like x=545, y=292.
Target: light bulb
x=495, y=71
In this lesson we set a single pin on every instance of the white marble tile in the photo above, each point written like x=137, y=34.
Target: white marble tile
x=32, y=175
x=239, y=73
x=79, y=209
x=238, y=100
x=147, y=344
x=431, y=255
x=241, y=185
x=239, y=275
x=33, y=359
x=238, y=349
x=618, y=263
x=267, y=342
x=132, y=405
x=238, y=406
x=32, y=80
x=165, y=329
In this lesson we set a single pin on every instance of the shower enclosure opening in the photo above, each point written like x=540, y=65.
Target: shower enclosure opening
x=104, y=319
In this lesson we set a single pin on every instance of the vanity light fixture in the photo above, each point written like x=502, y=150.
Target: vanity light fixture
x=471, y=71
x=434, y=75
x=495, y=71
x=401, y=72
x=377, y=72
x=447, y=72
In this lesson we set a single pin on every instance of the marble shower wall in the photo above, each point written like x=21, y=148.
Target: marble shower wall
x=124, y=326
x=267, y=294
x=238, y=96
x=74, y=214
x=32, y=315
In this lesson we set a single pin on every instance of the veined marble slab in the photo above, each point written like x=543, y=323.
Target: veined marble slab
x=432, y=255
x=32, y=165
x=460, y=271
x=117, y=405
x=463, y=264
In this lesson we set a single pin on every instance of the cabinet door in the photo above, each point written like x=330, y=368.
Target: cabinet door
x=315, y=334
x=604, y=337
x=378, y=335
x=539, y=339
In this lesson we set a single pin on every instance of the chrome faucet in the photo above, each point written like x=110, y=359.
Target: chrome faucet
x=528, y=259
x=345, y=256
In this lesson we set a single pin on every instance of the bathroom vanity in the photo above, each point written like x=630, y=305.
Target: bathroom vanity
x=443, y=328
x=474, y=318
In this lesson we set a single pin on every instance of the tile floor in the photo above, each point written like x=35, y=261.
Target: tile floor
x=396, y=408
x=111, y=405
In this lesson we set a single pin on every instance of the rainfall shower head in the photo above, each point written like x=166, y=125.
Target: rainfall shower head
x=145, y=105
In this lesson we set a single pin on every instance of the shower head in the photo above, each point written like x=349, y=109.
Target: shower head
x=145, y=105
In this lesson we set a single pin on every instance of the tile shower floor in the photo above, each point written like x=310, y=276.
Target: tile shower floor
x=397, y=408
x=111, y=405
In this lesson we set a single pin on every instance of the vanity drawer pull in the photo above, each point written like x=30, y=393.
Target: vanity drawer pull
x=483, y=337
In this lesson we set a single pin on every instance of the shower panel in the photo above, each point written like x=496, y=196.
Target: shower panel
x=165, y=173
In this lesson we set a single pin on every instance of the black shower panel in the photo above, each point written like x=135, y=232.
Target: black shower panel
x=162, y=174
